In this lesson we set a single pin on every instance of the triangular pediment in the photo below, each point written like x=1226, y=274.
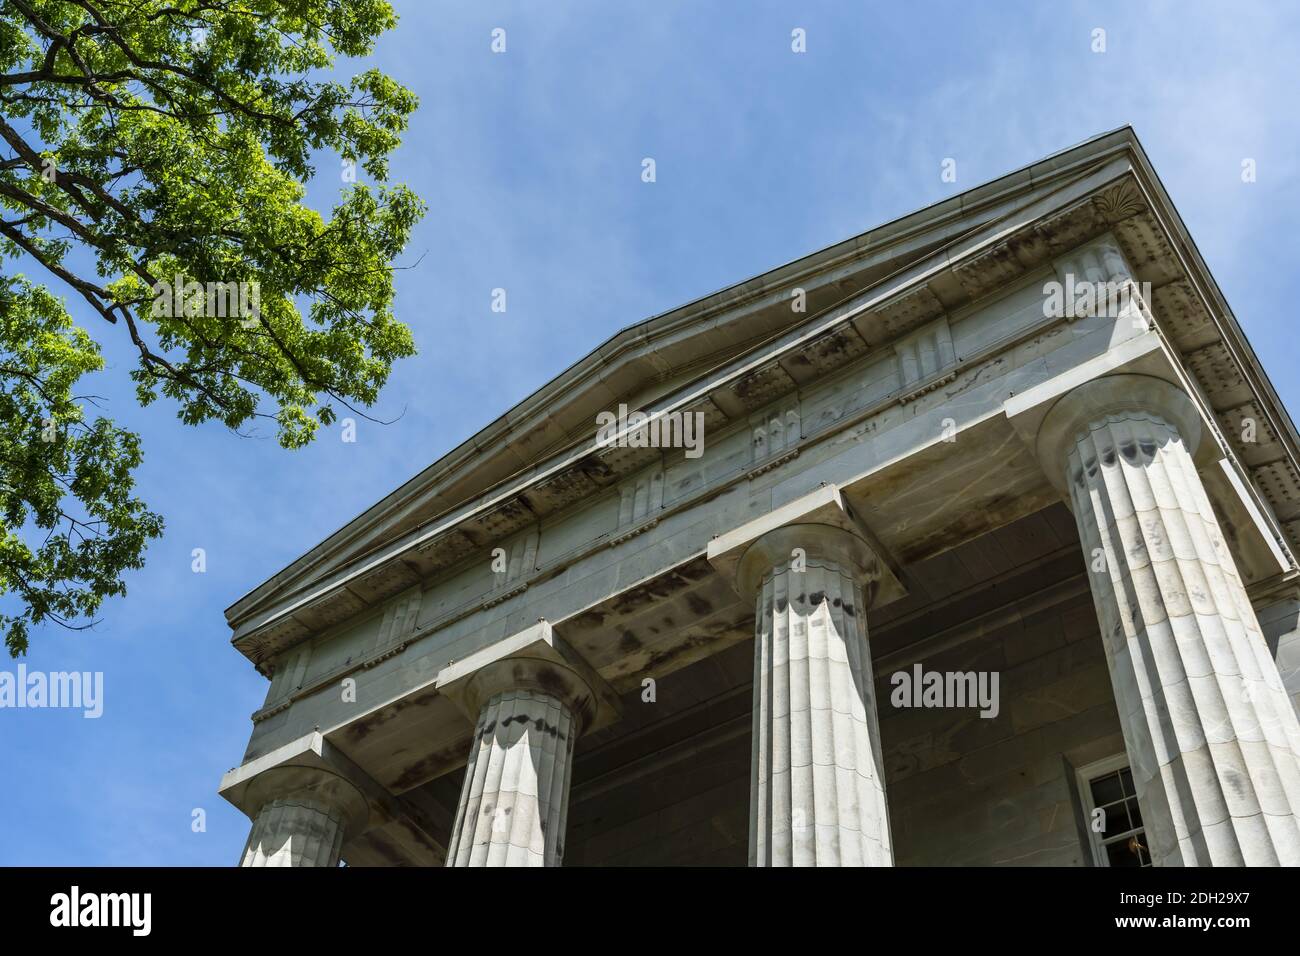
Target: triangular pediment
x=726, y=355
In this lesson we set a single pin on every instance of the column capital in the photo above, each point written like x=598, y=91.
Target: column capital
x=308, y=766
x=316, y=784
x=535, y=659
x=304, y=815
x=531, y=696
x=819, y=543
x=822, y=525
x=1120, y=397
x=535, y=674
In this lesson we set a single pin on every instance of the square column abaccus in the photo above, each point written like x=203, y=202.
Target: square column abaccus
x=303, y=805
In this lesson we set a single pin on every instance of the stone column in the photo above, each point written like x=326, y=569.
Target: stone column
x=295, y=831
x=305, y=817
x=817, y=791
x=514, y=803
x=1211, y=736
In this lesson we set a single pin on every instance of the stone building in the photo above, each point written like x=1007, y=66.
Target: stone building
x=986, y=556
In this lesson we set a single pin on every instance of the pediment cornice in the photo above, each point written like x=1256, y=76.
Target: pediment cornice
x=542, y=457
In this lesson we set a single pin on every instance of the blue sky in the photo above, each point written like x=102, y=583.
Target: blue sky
x=530, y=162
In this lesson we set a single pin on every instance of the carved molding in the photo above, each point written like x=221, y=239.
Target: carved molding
x=1121, y=201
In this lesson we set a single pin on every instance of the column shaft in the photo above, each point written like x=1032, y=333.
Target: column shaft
x=1211, y=735
x=817, y=793
x=514, y=802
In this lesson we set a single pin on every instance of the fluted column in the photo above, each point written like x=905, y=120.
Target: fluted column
x=1211, y=736
x=295, y=831
x=817, y=792
x=305, y=817
x=514, y=803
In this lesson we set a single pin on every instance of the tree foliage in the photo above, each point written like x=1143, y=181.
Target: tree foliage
x=151, y=150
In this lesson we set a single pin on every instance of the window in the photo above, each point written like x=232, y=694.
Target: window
x=1111, y=813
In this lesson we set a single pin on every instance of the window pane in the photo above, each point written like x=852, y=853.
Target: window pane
x=1143, y=855
x=1114, y=820
x=1106, y=790
x=1126, y=777
x=1134, y=812
x=1122, y=853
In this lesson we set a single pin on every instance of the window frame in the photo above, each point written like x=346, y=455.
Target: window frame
x=1084, y=777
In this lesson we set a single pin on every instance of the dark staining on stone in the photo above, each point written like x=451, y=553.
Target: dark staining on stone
x=698, y=605
x=628, y=642
x=659, y=590
x=1148, y=447
x=696, y=571
x=597, y=469
x=817, y=598
x=1108, y=456
x=979, y=517
x=799, y=360
x=385, y=849
x=429, y=766
x=751, y=385
x=360, y=730
x=1235, y=782
x=781, y=604
x=631, y=601
x=1129, y=451
x=661, y=661
x=553, y=683
x=589, y=619
x=539, y=724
